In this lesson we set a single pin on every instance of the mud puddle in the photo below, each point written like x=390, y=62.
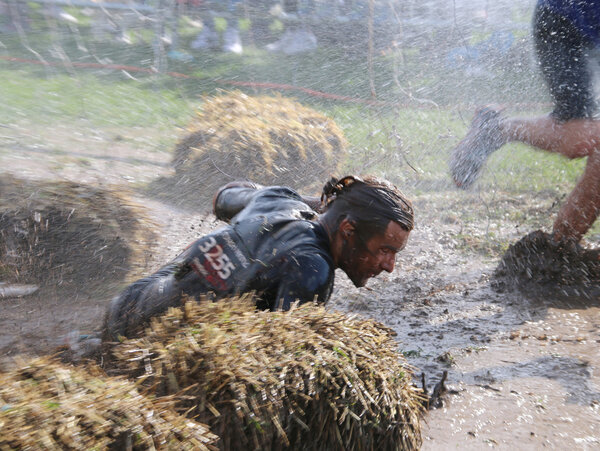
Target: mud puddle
x=534, y=387
x=522, y=368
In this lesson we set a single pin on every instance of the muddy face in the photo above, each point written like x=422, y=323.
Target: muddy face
x=361, y=261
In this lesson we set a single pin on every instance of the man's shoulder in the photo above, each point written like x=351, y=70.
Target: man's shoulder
x=316, y=269
x=310, y=247
x=304, y=237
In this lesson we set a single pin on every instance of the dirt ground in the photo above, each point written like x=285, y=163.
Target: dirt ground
x=522, y=367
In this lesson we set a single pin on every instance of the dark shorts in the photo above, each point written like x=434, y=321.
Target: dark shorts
x=564, y=57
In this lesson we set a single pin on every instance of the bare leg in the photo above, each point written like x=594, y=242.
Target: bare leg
x=576, y=138
x=573, y=139
x=582, y=207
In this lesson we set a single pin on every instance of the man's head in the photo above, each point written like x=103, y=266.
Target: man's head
x=369, y=221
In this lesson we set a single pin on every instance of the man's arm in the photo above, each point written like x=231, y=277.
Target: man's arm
x=231, y=198
x=307, y=279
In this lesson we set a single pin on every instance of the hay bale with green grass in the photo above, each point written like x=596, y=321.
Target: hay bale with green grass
x=47, y=405
x=304, y=379
x=65, y=234
x=272, y=140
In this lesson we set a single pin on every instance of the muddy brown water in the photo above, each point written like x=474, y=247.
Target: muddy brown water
x=522, y=365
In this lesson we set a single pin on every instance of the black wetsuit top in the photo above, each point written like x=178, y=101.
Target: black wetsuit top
x=273, y=246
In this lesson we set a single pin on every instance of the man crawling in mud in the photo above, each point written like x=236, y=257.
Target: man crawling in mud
x=278, y=246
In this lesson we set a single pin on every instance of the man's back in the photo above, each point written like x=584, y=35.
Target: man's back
x=271, y=240
x=272, y=246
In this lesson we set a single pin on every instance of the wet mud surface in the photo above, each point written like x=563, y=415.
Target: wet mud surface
x=522, y=363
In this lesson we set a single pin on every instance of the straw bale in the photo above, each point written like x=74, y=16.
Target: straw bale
x=304, y=379
x=272, y=140
x=47, y=405
x=64, y=234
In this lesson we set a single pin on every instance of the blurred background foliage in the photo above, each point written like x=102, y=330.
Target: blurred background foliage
x=400, y=78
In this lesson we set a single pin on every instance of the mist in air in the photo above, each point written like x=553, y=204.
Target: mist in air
x=119, y=120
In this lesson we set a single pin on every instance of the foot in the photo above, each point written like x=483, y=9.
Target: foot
x=484, y=137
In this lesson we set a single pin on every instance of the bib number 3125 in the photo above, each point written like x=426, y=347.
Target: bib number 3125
x=216, y=258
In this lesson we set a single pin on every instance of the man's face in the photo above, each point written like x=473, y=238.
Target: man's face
x=361, y=261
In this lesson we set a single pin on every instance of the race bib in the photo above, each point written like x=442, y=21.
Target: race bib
x=217, y=258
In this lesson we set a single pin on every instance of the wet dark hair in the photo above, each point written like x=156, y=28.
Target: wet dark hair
x=370, y=203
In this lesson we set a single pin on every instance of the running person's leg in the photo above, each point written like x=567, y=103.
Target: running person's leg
x=570, y=130
x=564, y=58
x=582, y=207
